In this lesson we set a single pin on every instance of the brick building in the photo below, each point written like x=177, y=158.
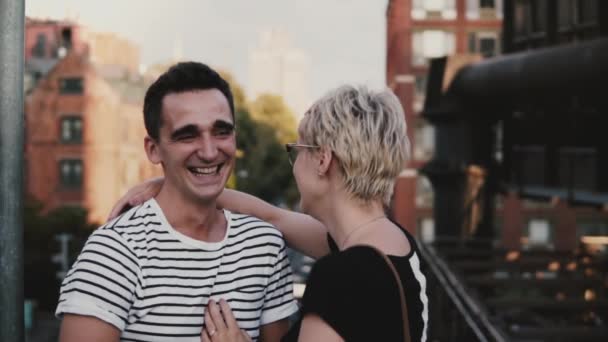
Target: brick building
x=416, y=31
x=84, y=127
x=47, y=41
x=469, y=30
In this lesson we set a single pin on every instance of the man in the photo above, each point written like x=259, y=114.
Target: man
x=149, y=274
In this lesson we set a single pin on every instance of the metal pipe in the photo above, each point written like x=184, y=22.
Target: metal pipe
x=12, y=20
x=565, y=69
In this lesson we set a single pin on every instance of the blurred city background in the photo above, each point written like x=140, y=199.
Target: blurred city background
x=503, y=100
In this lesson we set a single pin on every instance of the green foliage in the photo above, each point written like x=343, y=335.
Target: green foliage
x=264, y=170
x=40, y=281
x=271, y=110
x=263, y=127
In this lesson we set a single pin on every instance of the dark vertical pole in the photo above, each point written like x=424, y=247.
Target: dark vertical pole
x=12, y=17
x=602, y=17
x=508, y=26
x=551, y=16
x=446, y=171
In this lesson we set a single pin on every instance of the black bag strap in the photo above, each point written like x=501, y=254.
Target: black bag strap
x=406, y=321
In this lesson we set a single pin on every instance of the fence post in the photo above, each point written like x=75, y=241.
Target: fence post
x=12, y=21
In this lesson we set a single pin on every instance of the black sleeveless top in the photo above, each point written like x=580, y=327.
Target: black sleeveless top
x=354, y=291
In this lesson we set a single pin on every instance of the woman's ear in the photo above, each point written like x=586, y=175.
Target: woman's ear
x=325, y=159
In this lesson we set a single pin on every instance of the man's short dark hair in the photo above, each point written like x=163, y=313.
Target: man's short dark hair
x=181, y=77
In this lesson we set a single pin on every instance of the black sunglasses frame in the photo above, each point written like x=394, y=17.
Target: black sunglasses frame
x=293, y=147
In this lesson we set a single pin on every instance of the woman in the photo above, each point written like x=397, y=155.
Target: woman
x=352, y=145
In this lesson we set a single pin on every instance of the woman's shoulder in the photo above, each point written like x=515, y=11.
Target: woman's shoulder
x=352, y=272
x=355, y=262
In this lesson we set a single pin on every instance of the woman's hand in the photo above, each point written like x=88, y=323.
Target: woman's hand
x=220, y=324
x=137, y=195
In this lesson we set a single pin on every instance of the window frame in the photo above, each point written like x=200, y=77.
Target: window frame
x=71, y=119
x=474, y=44
x=71, y=181
x=419, y=57
x=76, y=87
x=550, y=230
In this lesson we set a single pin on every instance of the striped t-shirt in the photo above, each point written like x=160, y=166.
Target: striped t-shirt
x=153, y=283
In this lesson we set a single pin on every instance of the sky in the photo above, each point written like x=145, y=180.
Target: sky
x=344, y=39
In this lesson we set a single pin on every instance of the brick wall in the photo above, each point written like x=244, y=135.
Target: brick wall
x=111, y=149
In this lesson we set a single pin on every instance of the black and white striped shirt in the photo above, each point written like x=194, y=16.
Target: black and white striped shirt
x=153, y=283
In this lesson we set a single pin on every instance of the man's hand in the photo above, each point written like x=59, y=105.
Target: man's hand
x=137, y=195
x=77, y=328
x=220, y=324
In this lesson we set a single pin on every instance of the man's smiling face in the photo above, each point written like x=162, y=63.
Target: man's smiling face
x=196, y=144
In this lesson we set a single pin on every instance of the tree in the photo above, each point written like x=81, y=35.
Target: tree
x=262, y=168
x=273, y=111
x=240, y=105
x=40, y=279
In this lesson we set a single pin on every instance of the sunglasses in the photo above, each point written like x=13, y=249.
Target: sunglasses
x=293, y=149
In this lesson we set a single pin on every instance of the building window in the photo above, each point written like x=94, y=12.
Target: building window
x=426, y=229
x=522, y=17
x=538, y=16
x=572, y=12
x=484, y=43
x=39, y=49
x=487, y=46
x=421, y=81
x=71, y=85
x=498, y=142
x=420, y=92
x=424, y=141
x=487, y=4
x=588, y=11
x=538, y=233
x=592, y=226
x=66, y=38
x=434, y=9
x=577, y=19
x=578, y=168
x=565, y=9
x=71, y=130
x=486, y=9
x=529, y=165
x=424, y=192
x=432, y=44
x=70, y=171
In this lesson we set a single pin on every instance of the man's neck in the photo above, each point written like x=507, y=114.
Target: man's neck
x=198, y=220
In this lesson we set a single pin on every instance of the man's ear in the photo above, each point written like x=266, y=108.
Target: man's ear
x=152, y=151
x=325, y=159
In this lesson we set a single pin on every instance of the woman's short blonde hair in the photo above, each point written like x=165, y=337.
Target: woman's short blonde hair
x=367, y=133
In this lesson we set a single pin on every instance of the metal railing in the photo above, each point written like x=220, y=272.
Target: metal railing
x=454, y=315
